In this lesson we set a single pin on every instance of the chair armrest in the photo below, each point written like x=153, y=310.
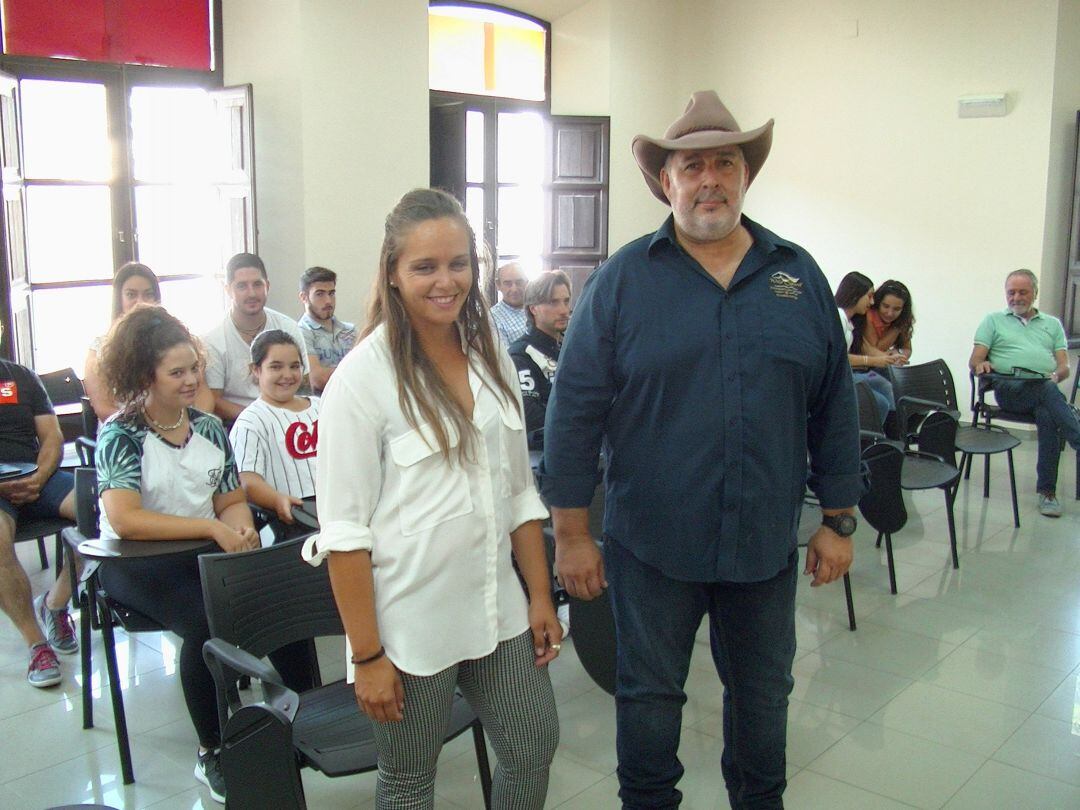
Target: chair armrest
x=929, y=405
x=85, y=448
x=227, y=662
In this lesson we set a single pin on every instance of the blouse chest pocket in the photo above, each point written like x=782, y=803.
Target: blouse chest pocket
x=433, y=490
x=511, y=439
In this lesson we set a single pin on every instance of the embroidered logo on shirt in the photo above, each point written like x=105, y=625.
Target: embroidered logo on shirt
x=213, y=476
x=9, y=392
x=301, y=441
x=785, y=286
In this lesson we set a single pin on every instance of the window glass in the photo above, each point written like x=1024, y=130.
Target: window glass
x=65, y=323
x=521, y=147
x=177, y=229
x=198, y=302
x=172, y=131
x=474, y=212
x=474, y=146
x=68, y=233
x=521, y=210
x=486, y=52
x=65, y=130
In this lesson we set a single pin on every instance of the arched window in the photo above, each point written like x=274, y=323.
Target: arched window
x=483, y=51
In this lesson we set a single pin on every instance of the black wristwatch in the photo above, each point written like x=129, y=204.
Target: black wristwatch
x=844, y=525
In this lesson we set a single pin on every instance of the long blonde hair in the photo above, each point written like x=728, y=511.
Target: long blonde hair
x=422, y=393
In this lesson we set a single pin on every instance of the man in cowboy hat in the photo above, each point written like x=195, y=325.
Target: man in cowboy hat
x=708, y=360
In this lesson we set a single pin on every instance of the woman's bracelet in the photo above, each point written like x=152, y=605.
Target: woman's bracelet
x=358, y=661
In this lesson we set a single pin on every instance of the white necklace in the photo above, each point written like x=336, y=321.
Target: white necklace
x=161, y=427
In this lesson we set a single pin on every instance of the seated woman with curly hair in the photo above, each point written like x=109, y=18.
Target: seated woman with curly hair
x=166, y=472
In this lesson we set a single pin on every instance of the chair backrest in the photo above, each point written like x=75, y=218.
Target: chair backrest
x=263, y=599
x=87, y=506
x=937, y=435
x=883, y=504
x=931, y=381
x=89, y=419
x=869, y=416
x=63, y=387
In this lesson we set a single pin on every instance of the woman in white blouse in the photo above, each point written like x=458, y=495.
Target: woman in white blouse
x=425, y=491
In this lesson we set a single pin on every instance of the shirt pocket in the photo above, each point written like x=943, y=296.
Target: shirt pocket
x=511, y=440
x=433, y=490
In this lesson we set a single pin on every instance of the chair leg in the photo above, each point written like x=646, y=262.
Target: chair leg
x=986, y=475
x=878, y=543
x=1012, y=486
x=482, y=762
x=58, y=553
x=850, y=603
x=966, y=464
x=952, y=529
x=87, y=665
x=42, y=554
x=892, y=567
x=119, y=718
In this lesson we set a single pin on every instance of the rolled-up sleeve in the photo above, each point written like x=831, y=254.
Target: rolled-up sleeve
x=348, y=472
x=581, y=397
x=833, y=425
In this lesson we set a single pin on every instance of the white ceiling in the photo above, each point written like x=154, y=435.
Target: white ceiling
x=545, y=9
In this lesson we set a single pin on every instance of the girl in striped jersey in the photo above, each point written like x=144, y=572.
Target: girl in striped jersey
x=274, y=438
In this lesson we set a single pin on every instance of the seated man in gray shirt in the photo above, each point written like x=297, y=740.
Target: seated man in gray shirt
x=327, y=339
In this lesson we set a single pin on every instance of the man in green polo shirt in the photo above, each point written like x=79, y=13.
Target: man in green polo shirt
x=1021, y=337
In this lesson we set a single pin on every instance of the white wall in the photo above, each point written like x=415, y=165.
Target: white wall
x=581, y=60
x=871, y=169
x=341, y=130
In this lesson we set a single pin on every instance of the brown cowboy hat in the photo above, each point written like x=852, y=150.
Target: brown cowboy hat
x=706, y=124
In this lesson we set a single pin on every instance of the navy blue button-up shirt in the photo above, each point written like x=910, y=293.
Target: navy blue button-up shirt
x=710, y=401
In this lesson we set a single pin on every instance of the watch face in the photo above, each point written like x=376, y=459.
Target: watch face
x=843, y=525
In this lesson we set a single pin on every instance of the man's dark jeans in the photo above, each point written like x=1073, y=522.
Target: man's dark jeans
x=1054, y=420
x=753, y=646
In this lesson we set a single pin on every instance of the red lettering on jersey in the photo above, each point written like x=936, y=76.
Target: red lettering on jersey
x=9, y=392
x=301, y=441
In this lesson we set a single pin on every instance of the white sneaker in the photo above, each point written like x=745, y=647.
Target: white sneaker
x=1049, y=505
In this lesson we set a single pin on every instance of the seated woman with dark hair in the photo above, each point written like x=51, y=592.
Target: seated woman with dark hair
x=166, y=472
x=890, y=322
x=275, y=437
x=133, y=284
x=854, y=296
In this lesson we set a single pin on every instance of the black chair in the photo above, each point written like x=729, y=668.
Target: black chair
x=99, y=611
x=65, y=391
x=257, y=602
x=933, y=466
x=40, y=529
x=927, y=387
x=882, y=506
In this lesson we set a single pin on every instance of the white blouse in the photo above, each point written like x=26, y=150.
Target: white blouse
x=438, y=531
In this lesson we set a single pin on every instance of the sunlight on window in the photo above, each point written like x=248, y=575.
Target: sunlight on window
x=65, y=322
x=486, y=52
x=65, y=130
x=172, y=135
x=199, y=301
x=521, y=148
x=521, y=210
x=474, y=146
x=177, y=229
x=67, y=233
x=474, y=212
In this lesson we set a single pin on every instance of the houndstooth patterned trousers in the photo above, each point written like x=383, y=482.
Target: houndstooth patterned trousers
x=513, y=699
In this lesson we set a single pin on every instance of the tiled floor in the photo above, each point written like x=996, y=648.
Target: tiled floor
x=960, y=692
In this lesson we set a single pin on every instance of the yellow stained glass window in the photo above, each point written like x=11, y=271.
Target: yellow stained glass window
x=485, y=52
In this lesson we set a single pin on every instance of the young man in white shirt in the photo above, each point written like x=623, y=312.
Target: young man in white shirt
x=228, y=346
